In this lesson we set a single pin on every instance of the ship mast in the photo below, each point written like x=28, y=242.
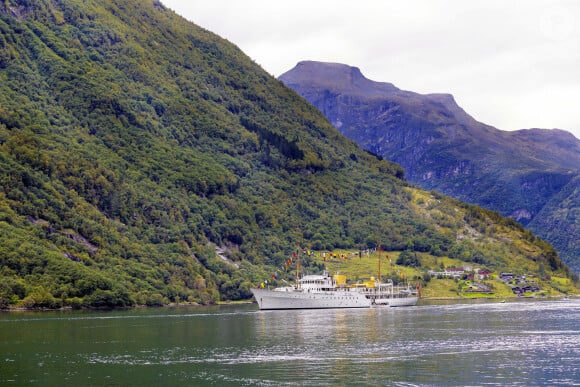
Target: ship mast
x=379, y=277
x=297, y=267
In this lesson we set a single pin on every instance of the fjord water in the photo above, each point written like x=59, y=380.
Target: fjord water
x=498, y=344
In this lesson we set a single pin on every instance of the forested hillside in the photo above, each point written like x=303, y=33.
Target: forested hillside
x=145, y=160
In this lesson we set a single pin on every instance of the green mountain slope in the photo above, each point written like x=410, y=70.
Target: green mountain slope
x=144, y=160
x=441, y=147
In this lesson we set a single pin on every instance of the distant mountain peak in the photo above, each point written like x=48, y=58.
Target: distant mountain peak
x=327, y=71
x=309, y=78
x=339, y=77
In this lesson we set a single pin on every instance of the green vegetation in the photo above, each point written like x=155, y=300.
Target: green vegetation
x=135, y=147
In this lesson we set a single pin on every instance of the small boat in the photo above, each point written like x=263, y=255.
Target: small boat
x=311, y=292
x=388, y=294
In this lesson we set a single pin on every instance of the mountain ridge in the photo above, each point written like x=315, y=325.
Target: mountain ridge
x=442, y=147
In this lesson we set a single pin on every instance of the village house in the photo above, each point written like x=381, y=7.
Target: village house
x=461, y=272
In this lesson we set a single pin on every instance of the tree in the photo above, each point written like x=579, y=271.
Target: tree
x=408, y=258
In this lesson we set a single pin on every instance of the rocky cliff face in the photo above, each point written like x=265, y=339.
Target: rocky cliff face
x=443, y=148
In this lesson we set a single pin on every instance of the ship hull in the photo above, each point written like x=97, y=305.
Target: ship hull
x=270, y=299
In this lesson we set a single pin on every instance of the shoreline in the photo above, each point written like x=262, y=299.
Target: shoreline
x=172, y=305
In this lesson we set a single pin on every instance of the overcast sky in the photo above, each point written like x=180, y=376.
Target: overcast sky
x=512, y=64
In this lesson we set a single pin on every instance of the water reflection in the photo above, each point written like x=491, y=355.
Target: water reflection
x=460, y=344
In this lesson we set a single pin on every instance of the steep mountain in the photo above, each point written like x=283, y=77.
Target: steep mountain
x=559, y=220
x=145, y=160
x=520, y=174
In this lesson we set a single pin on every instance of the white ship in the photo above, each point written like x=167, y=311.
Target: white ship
x=312, y=292
x=324, y=291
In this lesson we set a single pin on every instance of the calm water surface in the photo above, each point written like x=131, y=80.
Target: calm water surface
x=492, y=344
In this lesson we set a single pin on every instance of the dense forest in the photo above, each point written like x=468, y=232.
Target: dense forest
x=145, y=160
